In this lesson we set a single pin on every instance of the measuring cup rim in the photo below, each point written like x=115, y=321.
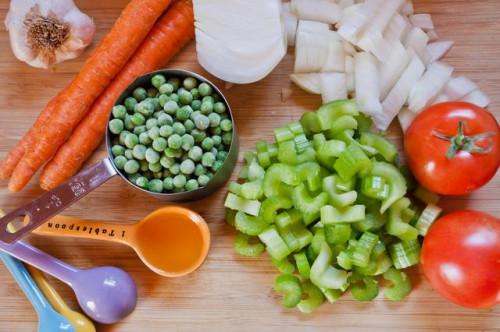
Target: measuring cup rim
x=194, y=217
x=221, y=176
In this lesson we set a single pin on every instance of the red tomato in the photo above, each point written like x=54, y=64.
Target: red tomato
x=461, y=258
x=428, y=143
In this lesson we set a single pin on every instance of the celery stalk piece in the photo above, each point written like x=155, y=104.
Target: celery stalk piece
x=365, y=289
x=385, y=148
x=328, y=151
x=283, y=134
x=331, y=215
x=427, y=218
x=243, y=246
x=230, y=216
x=243, y=174
x=363, y=249
x=296, y=128
x=248, y=156
x=284, y=265
x=314, y=298
x=318, y=141
x=323, y=274
x=331, y=111
x=397, y=226
x=374, y=220
x=405, y=254
x=364, y=123
x=338, y=233
x=255, y=171
x=425, y=195
x=251, y=207
x=375, y=187
x=275, y=245
x=291, y=289
x=338, y=199
x=288, y=218
x=345, y=185
x=310, y=206
x=332, y=295
x=249, y=225
x=287, y=154
x=310, y=122
x=318, y=240
x=278, y=180
x=248, y=190
x=342, y=124
x=351, y=161
x=302, y=264
x=395, y=180
x=401, y=285
x=271, y=206
x=301, y=143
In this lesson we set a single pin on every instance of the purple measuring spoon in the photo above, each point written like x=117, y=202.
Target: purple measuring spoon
x=106, y=294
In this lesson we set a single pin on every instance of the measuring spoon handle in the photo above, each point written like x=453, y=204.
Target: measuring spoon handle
x=52, y=202
x=73, y=227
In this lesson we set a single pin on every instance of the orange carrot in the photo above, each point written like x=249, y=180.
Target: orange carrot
x=50, y=132
x=170, y=33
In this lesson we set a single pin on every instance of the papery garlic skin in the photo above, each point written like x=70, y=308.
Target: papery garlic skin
x=45, y=32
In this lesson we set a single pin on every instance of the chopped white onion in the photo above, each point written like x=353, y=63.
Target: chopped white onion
x=422, y=21
x=333, y=86
x=308, y=82
x=417, y=40
x=327, y=11
x=392, y=68
x=436, y=50
x=407, y=8
x=335, y=59
x=405, y=118
x=429, y=86
x=311, y=51
x=432, y=34
x=384, y=14
x=312, y=26
x=349, y=71
x=459, y=87
x=366, y=73
x=477, y=97
x=346, y=3
x=291, y=23
x=398, y=95
x=349, y=48
x=375, y=44
x=441, y=99
x=356, y=18
x=397, y=29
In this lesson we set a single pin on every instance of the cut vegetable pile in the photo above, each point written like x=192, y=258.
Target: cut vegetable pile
x=378, y=52
x=327, y=202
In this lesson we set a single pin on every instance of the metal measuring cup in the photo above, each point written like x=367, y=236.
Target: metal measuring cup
x=56, y=200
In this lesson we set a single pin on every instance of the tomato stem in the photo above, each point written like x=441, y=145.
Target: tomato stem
x=461, y=142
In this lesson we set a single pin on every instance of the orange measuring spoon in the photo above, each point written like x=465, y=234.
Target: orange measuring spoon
x=172, y=241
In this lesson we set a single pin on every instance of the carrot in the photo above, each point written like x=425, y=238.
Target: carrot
x=52, y=130
x=170, y=33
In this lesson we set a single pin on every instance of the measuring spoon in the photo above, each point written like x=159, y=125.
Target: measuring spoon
x=79, y=321
x=160, y=240
x=48, y=319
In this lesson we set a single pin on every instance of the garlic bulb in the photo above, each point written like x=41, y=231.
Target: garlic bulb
x=45, y=32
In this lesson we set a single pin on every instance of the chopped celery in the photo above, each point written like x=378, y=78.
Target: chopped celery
x=301, y=143
x=314, y=298
x=283, y=134
x=308, y=155
x=275, y=245
x=331, y=215
x=255, y=171
x=323, y=274
x=287, y=154
x=425, y=195
x=344, y=258
x=337, y=233
x=312, y=173
x=397, y=225
x=427, y=218
x=230, y=216
x=248, y=156
x=291, y=288
x=318, y=241
x=351, y=161
x=401, y=285
x=375, y=187
x=296, y=128
x=249, y=225
x=345, y=185
x=265, y=153
x=363, y=250
x=310, y=122
x=343, y=123
x=271, y=206
x=251, y=207
x=364, y=123
x=332, y=295
x=374, y=220
x=292, y=230
x=318, y=141
x=309, y=205
x=243, y=174
x=328, y=113
x=278, y=180
x=328, y=151
x=364, y=288
x=302, y=264
x=337, y=198
x=284, y=265
x=405, y=253
x=248, y=190
x=385, y=148
x=243, y=246
x=288, y=218
x=395, y=180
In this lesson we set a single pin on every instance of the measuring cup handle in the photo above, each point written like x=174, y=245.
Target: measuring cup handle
x=56, y=200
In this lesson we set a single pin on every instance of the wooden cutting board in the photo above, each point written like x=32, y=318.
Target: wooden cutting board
x=231, y=292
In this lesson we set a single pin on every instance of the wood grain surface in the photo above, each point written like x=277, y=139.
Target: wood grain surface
x=230, y=292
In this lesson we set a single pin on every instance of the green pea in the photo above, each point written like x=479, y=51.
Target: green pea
x=189, y=83
x=185, y=97
x=144, y=138
x=130, y=103
x=154, y=133
x=174, y=141
x=206, y=107
x=117, y=150
x=131, y=166
x=214, y=151
x=217, y=140
x=196, y=104
x=217, y=164
x=140, y=93
x=216, y=131
x=119, y=111
x=175, y=169
x=207, y=159
x=137, y=119
x=178, y=128
x=183, y=113
x=214, y=119
x=194, y=115
x=144, y=165
x=150, y=123
x=195, y=153
x=203, y=180
x=207, y=144
x=122, y=136
x=156, y=167
x=171, y=107
x=199, y=170
x=166, y=131
x=128, y=154
x=133, y=177
x=168, y=184
x=219, y=107
x=221, y=155
x=142, y=182
x=116, y=126
x=131, y=140
x=187, y=142
x=175, y=82
x=205, y=89
x=156, y=114
x=163, y=99
x=198, y=135
x=174, y=97
x=158, y=80
x=155, y=102
x=201, y=122
x=192, y=184
x=189, y=125
x=173, y=153
x=166, y=162
x=226, y=125
x=152, y=92
x=152, y=156
x=208, y=99
x=166, y=88
x=120, y=161
x=155, y=186
x=227, y=138
x=139, y=130
x=179, y=181
x=146, y=107
x=187, y=166
x=139, y=152
x=159, y=144
x=164, y=119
